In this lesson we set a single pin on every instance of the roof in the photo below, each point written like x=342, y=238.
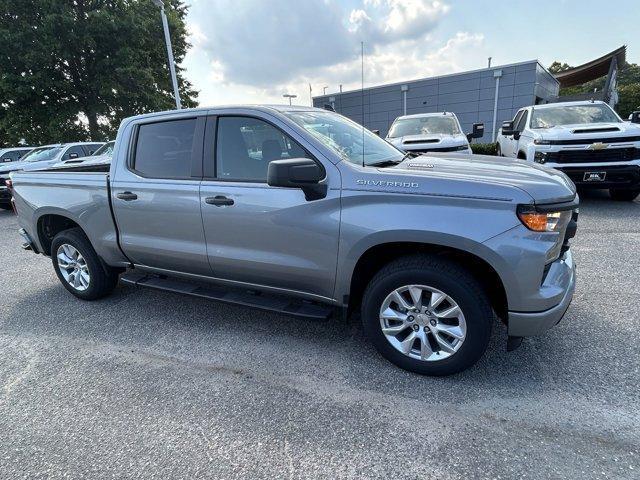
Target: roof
x=591, y=70
x=567, y=104
x=430, y=114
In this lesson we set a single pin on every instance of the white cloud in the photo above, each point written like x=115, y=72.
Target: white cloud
x=254, y=51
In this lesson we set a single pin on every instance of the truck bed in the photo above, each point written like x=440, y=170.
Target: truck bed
x=80, y=195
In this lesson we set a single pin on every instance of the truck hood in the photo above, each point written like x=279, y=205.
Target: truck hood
x=588, y=131
x=421, y=142
x=468, y=176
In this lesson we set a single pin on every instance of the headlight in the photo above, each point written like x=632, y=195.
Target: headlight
x=462, y=147
x=543, y=221
x=540, y=157
x=539, y=141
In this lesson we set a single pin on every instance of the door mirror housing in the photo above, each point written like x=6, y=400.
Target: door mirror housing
x=507, y=128
x=301, y=173
x=376, y=132
x=476, y=132
x=73, y=155
x=635, y=117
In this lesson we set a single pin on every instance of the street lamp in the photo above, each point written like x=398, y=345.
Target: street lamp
x=324, y=90
x=167, y=39
x=289, y=96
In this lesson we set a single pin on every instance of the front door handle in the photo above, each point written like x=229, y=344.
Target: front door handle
x=219, y=201
x=127, y=196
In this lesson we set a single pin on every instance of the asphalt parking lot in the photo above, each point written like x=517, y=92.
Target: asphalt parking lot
x=149, y=384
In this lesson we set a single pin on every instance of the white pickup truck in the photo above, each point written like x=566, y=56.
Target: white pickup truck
x=586, y=140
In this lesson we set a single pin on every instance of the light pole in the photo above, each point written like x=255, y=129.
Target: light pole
x=167, y=39
x=324, y=90
x=289, y=96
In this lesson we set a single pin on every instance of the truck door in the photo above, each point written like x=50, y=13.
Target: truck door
x=155, y=196
x=262, y=235
x=510, y=144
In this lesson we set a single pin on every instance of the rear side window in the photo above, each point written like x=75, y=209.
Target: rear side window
x=164, y=149
x=92, y=147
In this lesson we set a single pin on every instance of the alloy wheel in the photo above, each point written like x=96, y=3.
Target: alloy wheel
x=423, y=322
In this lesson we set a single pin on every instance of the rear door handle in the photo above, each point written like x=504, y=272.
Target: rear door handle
x=127, y=196
x=219, y=201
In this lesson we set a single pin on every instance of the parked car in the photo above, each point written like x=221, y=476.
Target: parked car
x=303, y=211
x=39, y=158
x=13, y=154
x=586, y=140
x=431, y=132
x=100, y=158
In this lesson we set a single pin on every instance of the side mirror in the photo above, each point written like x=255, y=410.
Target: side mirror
x=301, y=173
x=377, y=132
x=476, y=132
x=73, y=155
x=507, y=129
x=635, y=117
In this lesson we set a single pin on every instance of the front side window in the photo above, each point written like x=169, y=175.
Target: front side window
x=164, y=149
x=74, y=152
x=246, y=145
x=352, y=142
x=548, y=117
x=440, y=125
x=523, y=121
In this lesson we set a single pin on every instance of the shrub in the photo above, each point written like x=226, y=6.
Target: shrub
x=484, y=148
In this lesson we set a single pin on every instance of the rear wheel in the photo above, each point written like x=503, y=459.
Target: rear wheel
x=78, y=266
x=624, y=195
x=427, y=315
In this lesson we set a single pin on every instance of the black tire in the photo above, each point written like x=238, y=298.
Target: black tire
x=448, y=277
x=103, y=278
x=624, y=195
x=498, y=150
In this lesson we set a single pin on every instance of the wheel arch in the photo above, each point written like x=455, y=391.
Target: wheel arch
x=377, y=256
x=48, y=225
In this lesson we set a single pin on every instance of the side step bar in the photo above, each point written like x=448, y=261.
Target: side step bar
x=262, y=301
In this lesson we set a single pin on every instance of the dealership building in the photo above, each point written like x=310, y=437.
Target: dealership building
x=489, y=95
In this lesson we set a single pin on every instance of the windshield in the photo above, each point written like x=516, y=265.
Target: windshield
x=106, y=149
x=351, y=141
x=568, y=115
x=41, y=154
x=445, y=125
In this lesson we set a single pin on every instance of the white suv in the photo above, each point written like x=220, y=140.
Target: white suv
x=586, y=140
x=431, y=132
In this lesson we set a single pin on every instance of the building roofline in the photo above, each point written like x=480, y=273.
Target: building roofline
x=437, y=77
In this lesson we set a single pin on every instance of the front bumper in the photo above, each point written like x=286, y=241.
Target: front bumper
x=562, y=274
x=615, y=176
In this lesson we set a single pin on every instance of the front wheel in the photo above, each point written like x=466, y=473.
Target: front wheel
x=624, y=195
x=427, y=315
x=78, y=266
x=498, y=150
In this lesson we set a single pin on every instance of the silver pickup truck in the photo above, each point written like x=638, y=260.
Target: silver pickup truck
x=302, y=211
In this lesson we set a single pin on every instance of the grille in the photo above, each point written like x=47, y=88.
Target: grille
x=593, y=156
x=588, y=141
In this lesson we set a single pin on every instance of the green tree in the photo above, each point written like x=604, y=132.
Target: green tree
x=73, y=69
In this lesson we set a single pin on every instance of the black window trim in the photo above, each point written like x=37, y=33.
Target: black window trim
x=525, y=115
x=196, y=154
x=211, y=150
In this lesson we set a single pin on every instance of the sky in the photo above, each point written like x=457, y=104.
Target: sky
x=254, y=51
